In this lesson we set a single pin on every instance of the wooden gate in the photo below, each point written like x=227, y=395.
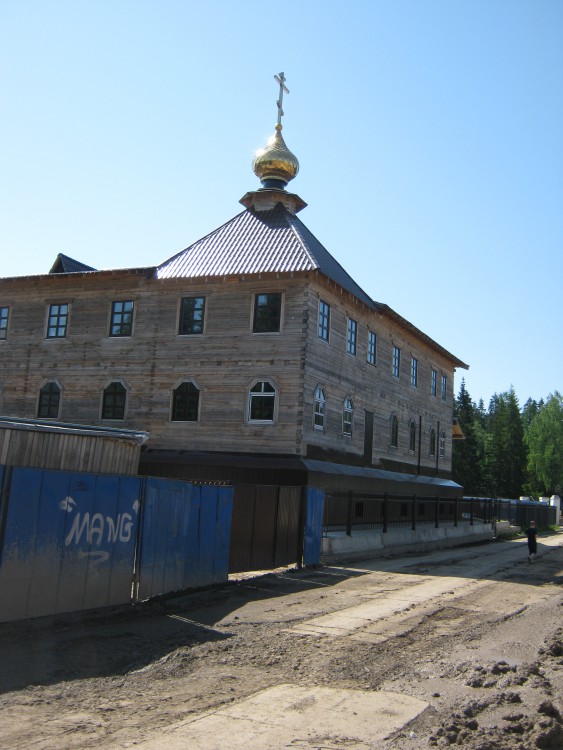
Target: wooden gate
x=267, y=527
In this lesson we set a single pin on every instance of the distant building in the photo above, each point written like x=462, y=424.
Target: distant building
x=250, y=356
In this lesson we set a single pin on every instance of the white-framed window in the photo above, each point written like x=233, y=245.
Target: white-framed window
x=324, y=320
x=433, y=382
x=444, y=387
x=372, y=348
x=319, y=408
x=396, y=362
x=347, y=416
x=352, y=337
x=414, y=372
x=261, y=402
x=442, y=444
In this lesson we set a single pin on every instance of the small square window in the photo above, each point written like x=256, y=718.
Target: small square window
x=192, y=316
x=58, y=321
x=121, y=318
x=4, y=315
x=324, y=320
x=351, y=337
x=267, y=313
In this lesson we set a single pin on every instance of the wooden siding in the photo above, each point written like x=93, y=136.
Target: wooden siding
x=224, y=362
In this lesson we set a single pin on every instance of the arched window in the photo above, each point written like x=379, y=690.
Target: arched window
x=261, y=402
x=442, y=444
x=113, y=404
x=394, y=431
x=319, y=410
x=412, y=436
x=347, y=416
x=49, y=401
x=185, y=403
x=432, y=445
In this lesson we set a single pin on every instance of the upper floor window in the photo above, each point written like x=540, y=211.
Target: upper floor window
x=351, y=337
x=347, y=416
x=4, y=315
x=113, y=403
x=192, y=316
x=432, y=442
x=396, y=363
x=261, y=402
x=121, y=318
x=58, y=321
x=324, y=320
x=372, y=348
x=185, y=403
x=444, y=387
x=442, y=444
x=394, y=431
x=412, y=436
x=414, y=371
x=319, y=409
x=267, y=313
x=433, y=382
x=49, y=401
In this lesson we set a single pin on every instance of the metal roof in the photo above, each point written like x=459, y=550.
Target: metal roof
x=273, y=241
x=64, y=264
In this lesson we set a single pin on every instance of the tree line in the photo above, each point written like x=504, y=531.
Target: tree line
x=509, y=451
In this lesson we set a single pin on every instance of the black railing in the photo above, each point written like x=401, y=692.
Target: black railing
x=344, y=511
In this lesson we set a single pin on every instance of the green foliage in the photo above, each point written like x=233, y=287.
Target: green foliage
x=544, y=440
x=467, y=454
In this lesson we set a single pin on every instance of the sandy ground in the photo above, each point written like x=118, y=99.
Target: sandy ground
x=473, y=636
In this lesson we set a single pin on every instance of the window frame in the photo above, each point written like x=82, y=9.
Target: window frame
x=254, y=396
x=347, y=417
x=352, y=337
x=50, y=400
x=434, y=383
x=394, y=442
x=442, y=447
x=267, y=316
x=176, y=396
x=319, y=408
x=117, y=319
x=106, y=394
x=396, y=361
x=323, y=321
x=444, y=388
x=54, y=318
x=4, y=322
x=187, y=318
x=414, y=372
x=371, y=356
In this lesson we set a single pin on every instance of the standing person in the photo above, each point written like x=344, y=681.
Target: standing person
x=532, y=533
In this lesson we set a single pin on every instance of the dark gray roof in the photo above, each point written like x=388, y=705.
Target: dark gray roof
x=274, y=241
x=64, y=264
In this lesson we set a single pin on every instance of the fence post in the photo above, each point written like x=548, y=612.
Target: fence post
x=349, y=514
x=437, y=513
x=456, y=510
x=413, y=525
x=385, y=513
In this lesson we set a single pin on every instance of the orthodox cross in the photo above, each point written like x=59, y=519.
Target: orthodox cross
x=281, y=80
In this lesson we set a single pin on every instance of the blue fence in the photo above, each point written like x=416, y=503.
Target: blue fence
x=74, y=541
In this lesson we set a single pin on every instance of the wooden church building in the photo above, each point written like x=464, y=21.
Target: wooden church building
x=251, y=356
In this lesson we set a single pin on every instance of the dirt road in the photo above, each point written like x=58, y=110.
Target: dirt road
x=453, y=648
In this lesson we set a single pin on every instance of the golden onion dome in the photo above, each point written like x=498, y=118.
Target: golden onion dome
x=275, y=164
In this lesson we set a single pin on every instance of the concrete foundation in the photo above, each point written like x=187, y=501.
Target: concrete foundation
x=374, y=543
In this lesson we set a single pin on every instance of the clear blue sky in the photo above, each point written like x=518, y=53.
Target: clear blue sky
x=430, y=138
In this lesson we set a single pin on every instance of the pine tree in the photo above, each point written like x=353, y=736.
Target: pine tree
x=466, y=460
